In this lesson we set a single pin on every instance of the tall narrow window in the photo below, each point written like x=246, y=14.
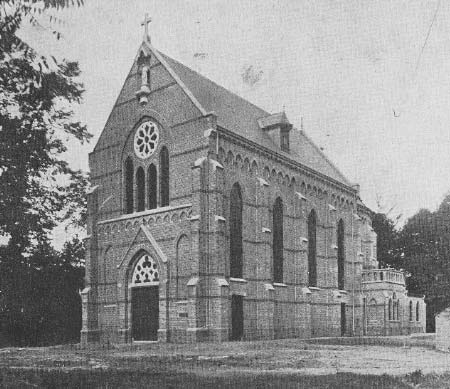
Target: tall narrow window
x=152, y=187
x=164, y=176
x=278, y=240
x=129, y=173
x=312, y=249
x=397, y=310
x=390, y=309
x=394, y=307
x=372, y=310
x=236, y=232
x=410, y=311
x=140, y=190
x=341, y=255
x=183, y=267
x=417, y=311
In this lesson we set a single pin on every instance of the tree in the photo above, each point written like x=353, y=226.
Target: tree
x=35, y=113
x=38, y=189
x=387, y=240
x=424, y=243
x=422, y=249
x=47, y=307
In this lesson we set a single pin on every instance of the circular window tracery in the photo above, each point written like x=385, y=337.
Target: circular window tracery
x=145, y=271
x=146, y=139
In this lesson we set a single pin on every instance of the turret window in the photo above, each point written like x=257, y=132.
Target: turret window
x=417, y=311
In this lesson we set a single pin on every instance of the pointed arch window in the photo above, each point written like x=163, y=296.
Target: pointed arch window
x=410, y=311
x=236, y=231
x=164, y=176
x=341, y=255
x=390, y=307
x=277, y=245
x=312, y=248
x=140, y=189
x=394, y=315
x=152, y=187
x=129, y=175
x=372, y=310
x=397, y=310
x=417, y=311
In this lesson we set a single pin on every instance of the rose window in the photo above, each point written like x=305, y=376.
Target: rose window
x=146, y=139
x=145, y=271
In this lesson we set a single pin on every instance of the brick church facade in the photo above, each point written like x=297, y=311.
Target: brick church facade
x=210, y=219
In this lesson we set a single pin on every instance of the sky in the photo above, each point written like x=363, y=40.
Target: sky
x=371, y=89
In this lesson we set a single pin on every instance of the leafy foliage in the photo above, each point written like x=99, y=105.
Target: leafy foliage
x=387, y=244
x=38, y=189
x=422, y=248
x=44, y=306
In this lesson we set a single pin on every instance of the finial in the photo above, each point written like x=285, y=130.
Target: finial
x=145, y=23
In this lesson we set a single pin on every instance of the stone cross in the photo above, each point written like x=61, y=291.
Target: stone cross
x=145, y=23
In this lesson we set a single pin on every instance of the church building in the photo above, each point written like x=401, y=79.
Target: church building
x=210, y=219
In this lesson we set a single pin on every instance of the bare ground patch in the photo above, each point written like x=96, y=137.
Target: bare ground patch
x=246, y=362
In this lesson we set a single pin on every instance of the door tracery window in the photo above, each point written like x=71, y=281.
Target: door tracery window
x=145, y=271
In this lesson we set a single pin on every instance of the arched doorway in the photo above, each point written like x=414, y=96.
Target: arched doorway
x=145, y=299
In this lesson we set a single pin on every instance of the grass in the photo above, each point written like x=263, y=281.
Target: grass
x=44, y=378
x=284, y=363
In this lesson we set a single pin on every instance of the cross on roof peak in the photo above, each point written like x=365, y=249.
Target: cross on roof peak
x=145, y=23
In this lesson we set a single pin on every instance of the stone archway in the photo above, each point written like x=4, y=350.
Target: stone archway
x=145, y=299
x=143, y=291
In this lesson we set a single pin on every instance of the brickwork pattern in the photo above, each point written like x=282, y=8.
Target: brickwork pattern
x=189, y=239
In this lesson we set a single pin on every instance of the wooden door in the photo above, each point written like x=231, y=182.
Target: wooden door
x=343, y=319
x=237, y=317
x=145, y=312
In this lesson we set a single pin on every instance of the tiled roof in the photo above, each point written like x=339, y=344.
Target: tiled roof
x=241, y=117
x=274, y=120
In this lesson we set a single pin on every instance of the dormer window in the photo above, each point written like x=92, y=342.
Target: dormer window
x=277, y=126
x=284, y=140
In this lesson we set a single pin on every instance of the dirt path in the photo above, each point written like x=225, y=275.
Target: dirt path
x=380, y=360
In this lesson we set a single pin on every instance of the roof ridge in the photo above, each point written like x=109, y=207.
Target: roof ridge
x=162, y=58
x=317, y=148
x=212, y=82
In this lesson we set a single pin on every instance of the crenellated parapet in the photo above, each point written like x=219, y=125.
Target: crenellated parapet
x=383, y=276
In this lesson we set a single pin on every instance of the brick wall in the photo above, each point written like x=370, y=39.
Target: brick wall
x=189, y=240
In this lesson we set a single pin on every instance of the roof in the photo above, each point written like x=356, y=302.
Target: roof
x=244, y=118
x=276, y=119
